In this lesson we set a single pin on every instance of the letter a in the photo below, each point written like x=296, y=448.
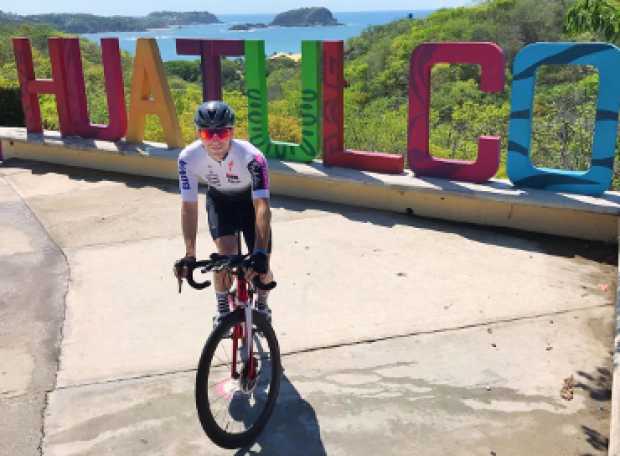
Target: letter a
x=150, y=94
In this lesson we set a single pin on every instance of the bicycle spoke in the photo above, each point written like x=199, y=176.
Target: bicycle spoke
x=225, y=350
x=217, y=415
x=221, y=362
x=211, y=385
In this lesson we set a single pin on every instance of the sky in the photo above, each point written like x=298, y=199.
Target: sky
x=136, y=8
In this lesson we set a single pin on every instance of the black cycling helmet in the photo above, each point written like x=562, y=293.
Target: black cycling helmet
x=214, y=114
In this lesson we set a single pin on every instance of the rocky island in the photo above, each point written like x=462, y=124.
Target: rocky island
x=302, y=17
x=89, y=23
x=305, y=17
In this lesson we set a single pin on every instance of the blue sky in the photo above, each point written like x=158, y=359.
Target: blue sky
x=124, y=7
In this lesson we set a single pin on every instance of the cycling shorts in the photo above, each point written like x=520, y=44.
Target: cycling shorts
x=228, y=215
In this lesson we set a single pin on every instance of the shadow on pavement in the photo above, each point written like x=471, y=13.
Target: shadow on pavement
x=292, y=426
x=598, y=387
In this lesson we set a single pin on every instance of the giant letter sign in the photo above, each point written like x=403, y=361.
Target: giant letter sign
x=31, y=87
x=258, y=119
x=113, y=72
x=606, y=58
x=150, y=95
x=491, y=59
x=334, y=153
x=210, y=52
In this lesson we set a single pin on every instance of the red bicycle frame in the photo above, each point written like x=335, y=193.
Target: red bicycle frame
x=241, y=331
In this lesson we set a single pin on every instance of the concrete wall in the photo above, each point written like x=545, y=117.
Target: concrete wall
x=496, y=203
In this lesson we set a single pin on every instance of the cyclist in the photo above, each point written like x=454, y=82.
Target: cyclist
x=237, y=199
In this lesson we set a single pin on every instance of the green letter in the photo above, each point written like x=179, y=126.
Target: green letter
x=258, y=114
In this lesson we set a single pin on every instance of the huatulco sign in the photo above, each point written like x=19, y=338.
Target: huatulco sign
x=322, y=107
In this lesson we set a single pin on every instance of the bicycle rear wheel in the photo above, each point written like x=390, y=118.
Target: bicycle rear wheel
x=231, y=414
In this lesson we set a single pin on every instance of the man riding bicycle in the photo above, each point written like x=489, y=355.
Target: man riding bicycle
x=237, y=176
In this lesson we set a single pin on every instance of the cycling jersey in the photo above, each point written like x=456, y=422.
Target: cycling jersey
x=243, y=170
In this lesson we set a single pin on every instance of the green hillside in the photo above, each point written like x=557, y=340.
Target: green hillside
x=90, y=23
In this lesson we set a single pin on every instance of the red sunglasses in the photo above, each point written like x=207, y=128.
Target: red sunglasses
x=211, y=133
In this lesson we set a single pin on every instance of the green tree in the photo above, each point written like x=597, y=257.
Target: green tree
x=601, y=17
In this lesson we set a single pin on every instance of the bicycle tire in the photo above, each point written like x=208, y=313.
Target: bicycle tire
x=214, y=431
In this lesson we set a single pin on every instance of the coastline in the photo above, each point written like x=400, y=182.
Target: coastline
x=278, y=39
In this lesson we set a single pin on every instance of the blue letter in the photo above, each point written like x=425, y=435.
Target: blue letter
x=606, y=58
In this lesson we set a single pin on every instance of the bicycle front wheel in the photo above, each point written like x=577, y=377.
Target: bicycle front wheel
x=231, y=409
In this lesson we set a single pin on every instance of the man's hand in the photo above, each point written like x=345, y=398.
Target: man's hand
x=259, y=264
x=181, y=268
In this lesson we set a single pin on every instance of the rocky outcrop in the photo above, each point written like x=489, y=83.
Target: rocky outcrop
x=305, y=17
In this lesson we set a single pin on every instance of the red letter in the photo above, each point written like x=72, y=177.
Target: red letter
x=117, y=113
x=334, y=153
x=491, y=58
x=210, y=52
x=31, y=87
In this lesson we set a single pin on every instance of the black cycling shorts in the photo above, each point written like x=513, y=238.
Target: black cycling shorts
x=228, y=215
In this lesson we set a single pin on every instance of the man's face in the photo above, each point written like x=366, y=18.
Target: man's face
x=216, y=141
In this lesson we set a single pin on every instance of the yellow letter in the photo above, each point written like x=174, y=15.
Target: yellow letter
x=150, y=94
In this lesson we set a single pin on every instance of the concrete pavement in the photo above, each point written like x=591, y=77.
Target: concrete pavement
x=33, y=285
x=401, y=335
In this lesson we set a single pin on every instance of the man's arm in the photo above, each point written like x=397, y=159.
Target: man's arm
x=263, y=223
x=189, y=223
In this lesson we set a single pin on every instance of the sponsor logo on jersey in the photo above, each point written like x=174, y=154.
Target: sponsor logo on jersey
x=213, y=179
x=183, y=175
x=232, y=178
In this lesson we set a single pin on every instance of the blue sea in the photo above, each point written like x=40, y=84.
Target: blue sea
x=277, y=39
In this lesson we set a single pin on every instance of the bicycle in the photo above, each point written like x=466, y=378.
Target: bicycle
x=238, y=382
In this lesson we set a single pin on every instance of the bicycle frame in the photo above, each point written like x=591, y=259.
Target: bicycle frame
x=242, y=298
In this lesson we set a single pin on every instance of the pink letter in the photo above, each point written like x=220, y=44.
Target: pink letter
x=334, y=153
x=117, y=113
x=210, y=52
x=491, y=58
x=31, y=87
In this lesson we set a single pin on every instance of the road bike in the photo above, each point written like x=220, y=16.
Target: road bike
x=239, y=372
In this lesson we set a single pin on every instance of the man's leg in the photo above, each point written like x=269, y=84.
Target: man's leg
x=262, y=295
x=249, y=235
x=226, y=245
x=221, y=216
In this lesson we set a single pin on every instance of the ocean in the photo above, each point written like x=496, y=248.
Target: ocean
x=277, y=39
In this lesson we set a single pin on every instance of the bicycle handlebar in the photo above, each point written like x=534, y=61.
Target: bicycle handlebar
x=233, y=263
x=190, y=276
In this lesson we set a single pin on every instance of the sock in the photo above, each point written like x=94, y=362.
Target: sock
x=222, y=302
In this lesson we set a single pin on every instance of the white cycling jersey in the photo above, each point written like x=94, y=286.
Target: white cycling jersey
x=243, y=169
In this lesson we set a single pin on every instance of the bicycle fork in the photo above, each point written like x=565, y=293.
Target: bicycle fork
x=249, y=341
x=244, y=333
